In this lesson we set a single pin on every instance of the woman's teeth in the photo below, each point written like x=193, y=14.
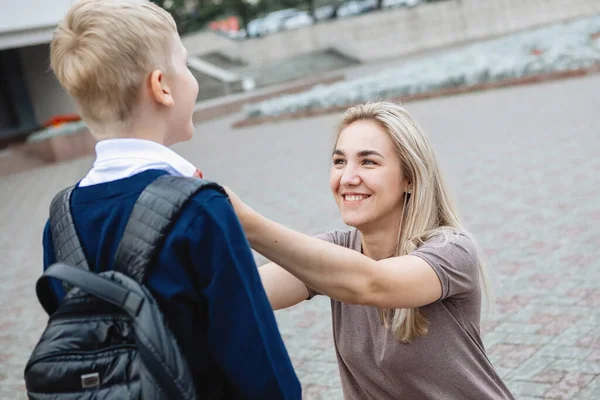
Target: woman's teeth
x=355, y=197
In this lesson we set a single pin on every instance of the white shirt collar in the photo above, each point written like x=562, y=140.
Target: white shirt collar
x=125, y=157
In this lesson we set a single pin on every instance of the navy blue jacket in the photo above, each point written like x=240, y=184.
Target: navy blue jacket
x=205, y=281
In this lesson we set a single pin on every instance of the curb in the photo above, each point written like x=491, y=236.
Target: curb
x=227, y=108
x=534, y=79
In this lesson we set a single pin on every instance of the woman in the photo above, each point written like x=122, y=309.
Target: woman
x=405, y=284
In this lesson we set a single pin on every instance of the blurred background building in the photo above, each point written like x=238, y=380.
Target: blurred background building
x=245, y=45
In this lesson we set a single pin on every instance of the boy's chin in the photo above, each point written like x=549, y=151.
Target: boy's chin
x=188, y=136
x=182, y=135
x=189, y=131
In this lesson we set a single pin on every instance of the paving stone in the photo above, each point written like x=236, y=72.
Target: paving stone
x=515, y=327
x=523, y=164
x=525, y=388
x=492, y=338
x=549, y=376
x=532, y=367
x=570, y=365
x=569, y=386
x=566, y=352
x=532, y=339
x=591, y=391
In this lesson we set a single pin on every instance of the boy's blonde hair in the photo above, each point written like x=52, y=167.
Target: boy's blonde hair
x=101, y=52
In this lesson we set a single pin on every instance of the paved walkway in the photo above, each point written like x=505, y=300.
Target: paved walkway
x=524, y=166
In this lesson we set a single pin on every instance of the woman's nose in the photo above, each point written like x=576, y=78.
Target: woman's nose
x=350, y=176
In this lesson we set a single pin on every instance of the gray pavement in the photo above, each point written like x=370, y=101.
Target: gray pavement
x=523, y=164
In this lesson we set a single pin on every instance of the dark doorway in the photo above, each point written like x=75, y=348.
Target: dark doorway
x=16, y=113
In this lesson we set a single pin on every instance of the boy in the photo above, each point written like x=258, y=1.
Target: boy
x=125, y=67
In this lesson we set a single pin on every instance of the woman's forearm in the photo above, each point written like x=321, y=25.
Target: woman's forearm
x=282, y=288
x=333, y=270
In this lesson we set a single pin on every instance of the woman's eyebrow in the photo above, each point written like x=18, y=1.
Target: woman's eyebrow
x=362, y=153
x=366, y=153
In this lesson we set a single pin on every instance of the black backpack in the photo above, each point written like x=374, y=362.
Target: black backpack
x=107, y=339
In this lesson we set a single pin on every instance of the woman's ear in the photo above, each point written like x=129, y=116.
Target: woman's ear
x=159, y=89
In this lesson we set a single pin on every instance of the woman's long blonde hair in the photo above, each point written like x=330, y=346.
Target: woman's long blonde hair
x=428, y=209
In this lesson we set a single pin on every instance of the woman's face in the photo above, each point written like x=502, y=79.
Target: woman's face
x=366, y=177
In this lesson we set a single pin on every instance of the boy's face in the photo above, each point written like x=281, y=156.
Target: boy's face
x=184, y=89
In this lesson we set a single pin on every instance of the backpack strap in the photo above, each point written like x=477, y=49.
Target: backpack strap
x=67, y=247
x=157, y=207
x=89, y=282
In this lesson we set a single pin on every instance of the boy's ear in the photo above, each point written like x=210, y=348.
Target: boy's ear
x=161, y=92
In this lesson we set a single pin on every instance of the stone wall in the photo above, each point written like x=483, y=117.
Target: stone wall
x=393, y=33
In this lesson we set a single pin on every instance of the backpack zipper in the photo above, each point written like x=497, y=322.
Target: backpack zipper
x=86, y=309
x=79, y=353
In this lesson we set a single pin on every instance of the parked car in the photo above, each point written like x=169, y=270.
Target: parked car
x=400, y=3
x=349, y=9
x=367, y=5
x=254, y=27
x=325, y=12
x=298, y=20
x=273, y=22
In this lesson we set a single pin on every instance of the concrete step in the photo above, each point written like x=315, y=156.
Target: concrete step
x=219, y=75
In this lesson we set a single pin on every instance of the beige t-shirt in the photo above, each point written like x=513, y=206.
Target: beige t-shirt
x=447, y=363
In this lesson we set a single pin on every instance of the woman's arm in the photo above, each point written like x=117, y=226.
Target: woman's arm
x=340, y=273
x=344, y=274
x=283, y=289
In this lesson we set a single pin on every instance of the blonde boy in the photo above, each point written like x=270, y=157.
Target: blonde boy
x=123, y=63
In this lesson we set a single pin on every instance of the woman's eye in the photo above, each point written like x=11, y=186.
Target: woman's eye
x=338, y=161
x=369, y=162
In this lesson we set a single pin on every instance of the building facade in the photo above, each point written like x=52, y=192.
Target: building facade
x=29, y=93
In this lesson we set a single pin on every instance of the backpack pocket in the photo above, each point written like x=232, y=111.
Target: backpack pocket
x=84, y=353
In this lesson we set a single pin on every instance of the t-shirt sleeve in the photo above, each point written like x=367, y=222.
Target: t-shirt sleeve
x=328, y=237
x=454, y=260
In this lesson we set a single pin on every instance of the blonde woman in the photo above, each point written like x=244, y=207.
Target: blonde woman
x=405, y=283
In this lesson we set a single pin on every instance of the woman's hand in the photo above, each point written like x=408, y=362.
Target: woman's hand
x=282, y=288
